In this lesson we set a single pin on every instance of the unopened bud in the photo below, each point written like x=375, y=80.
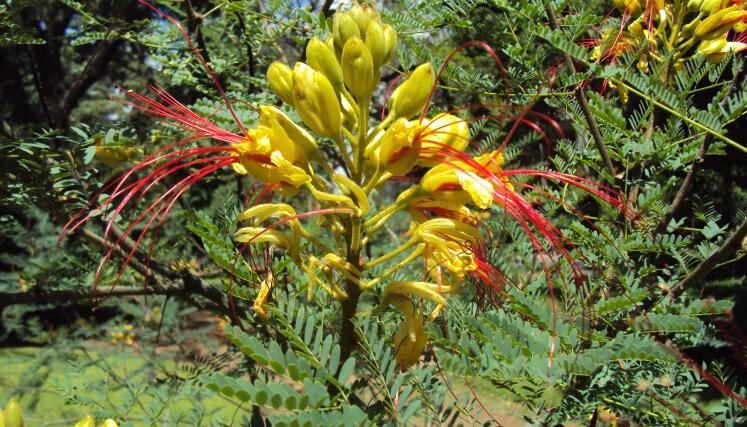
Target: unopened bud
x=410, y=97
x=399, y=147
x=390, y=38
x=280, y=77
x=343, y=28
x=357, y=67
x=109, y=423
x=376, y=43
x=316, y=101
x=359, y=15
x=86, y=422
x=322, y=59
x=13, y=415
x=330, y=43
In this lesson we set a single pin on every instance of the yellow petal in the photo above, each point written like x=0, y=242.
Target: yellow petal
x=479, y=189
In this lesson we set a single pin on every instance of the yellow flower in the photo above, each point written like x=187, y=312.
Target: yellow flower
x=462, y=183
x=289, y=132
x=716, y=50
x=631, y=7
x=719, y=23
x=265, y=287
x=399, y=146
x=343, y=27
x=109, y=423
x=272, y=157
x=410, y=339
x=257, y=234
x=442, y=130
x=423, y=208
x=449, y=244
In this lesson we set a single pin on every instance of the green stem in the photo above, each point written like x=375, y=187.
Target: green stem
x=344, y=153
x=410, y=243
x=389, y=211
x=416, y=253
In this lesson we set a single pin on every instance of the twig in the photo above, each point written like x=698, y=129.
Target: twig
x=584, y=103
x=194, y=24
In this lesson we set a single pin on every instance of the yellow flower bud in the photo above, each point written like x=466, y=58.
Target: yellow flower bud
x=372, y=14
x=719, y=23
x=390, y=38
x=86, y=422
x=410, y=97
x=343, y=27
x=376, y=43
x=444, y=129
x=357, y=67
x=322, y=59
x=316, y=101
x=109, y=423
x=399, y=147
x=13, y=415
x=280, y=77
x=359, y=15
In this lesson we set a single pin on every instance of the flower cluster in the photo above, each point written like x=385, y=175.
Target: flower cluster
x=332, y=94
x=655, y=29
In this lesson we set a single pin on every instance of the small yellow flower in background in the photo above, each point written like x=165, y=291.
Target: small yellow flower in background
x=125, y=335
x=112, y=155
x=88, y=421
x=674, y=31
x=12, y=415
x=605, y=416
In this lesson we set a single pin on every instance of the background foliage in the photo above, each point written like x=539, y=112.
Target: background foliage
x=630, y=339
